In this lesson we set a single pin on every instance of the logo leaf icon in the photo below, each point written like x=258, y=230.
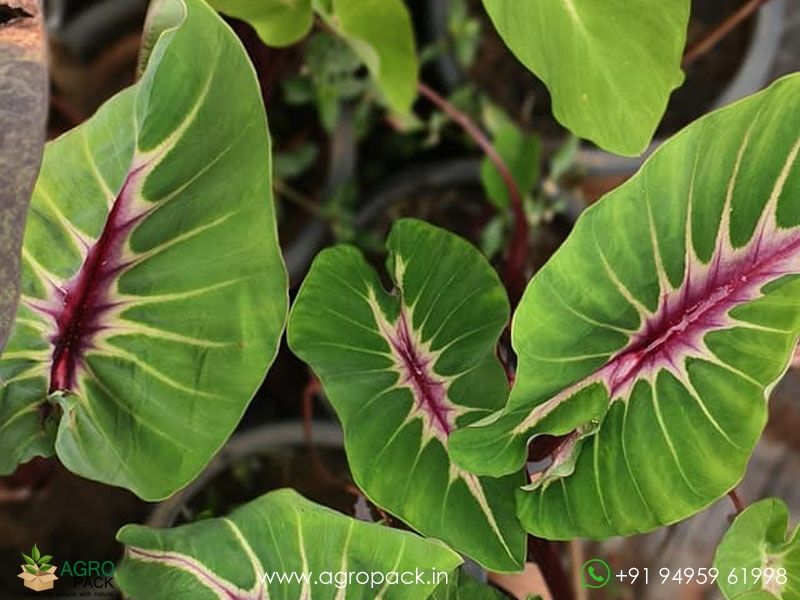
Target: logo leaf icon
x=45, y=567
x=45, y=559
x=35, y=553
x=31, y=570
x=28, y=559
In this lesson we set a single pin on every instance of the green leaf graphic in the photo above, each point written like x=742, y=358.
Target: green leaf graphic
x=758, y=540
x=35, y=553
x=404, y=369
x=609, y=81
x=277, y=22
x=279, y=533
x=28, y=559
x=46, y=559
x=154, y=293
x=650, y=341
x=31, y=570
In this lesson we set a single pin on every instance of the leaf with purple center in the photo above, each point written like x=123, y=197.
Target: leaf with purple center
x=285, y=547
x=404, y=369
x=153, y=291
x=758, y=541
x=651, y=341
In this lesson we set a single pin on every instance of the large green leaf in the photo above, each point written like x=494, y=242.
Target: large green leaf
x=381, y=33
x=281, y=546
x=652, y=339
x=23, y=113
x=404, y=369
x=757, y=541
x=610, y=65
x=154, y=294
x=277, y=22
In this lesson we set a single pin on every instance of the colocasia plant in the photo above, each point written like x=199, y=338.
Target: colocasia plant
x=154, y=296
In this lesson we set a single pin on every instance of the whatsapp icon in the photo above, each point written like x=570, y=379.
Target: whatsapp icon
x=595, y=573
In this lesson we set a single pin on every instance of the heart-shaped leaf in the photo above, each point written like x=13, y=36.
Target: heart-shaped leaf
x=277, y=22
x=404, y=369
x=285, y=547
x=757, y=541
x=23, y=113
x=652, y=339
x=154, y=293
x=609, y=79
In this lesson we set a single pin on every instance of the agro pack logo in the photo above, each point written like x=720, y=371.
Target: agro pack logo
x=90, y=574
x=38, y=574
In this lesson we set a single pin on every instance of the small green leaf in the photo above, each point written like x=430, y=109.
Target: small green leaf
x=381, y=33
x=294, y=162
x=31, y=570
x=464, y=32
x=28, y=559
x=519, y=151
x=45, y=567
x=334, y=75
x=277, y=22
x=35, y=553
x=564, y=158
x=758, y=540
x=45, y=559
x=493, y=236
x=609, y=82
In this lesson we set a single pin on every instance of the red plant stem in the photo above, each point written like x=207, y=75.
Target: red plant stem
x=711, y=39
x=546, y=554
x=515, y=265
x=312, y=388
x=737, y=501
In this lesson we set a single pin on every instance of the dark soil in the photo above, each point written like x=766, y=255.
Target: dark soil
x=464, y=210
x=323, y=478
x=69, y=518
